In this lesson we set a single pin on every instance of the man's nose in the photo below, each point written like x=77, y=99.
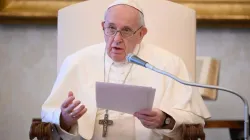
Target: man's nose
x=118, y=37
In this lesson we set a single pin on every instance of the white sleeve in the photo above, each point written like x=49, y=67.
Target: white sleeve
x=66, y=81
x=180, y=117
x=71, y=135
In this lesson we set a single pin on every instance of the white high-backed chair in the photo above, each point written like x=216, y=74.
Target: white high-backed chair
x=170, y=25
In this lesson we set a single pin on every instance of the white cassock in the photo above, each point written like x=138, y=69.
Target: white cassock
x=80, y=72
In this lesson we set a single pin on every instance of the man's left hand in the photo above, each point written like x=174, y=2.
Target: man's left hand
x=152, y=119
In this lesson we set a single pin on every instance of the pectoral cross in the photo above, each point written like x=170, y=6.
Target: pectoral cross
x=105, y=122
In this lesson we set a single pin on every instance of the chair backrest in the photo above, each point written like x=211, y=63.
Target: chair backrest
x=170, y=25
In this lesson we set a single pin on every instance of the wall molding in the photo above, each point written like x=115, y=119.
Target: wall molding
x=220, y=13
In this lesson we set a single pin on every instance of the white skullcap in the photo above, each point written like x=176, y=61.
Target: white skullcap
x=131, y=3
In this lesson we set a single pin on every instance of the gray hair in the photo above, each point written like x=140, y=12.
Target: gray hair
x=142, y=21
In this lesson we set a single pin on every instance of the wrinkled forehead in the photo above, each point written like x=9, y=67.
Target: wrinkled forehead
x=122, y=15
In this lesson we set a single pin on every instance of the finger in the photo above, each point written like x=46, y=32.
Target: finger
x=68, y=101
x=80, y=114
x=77, y=111
x=72, y=106
x=144, y=117
x=147, y=112
x=148, y=124
x=70, y=94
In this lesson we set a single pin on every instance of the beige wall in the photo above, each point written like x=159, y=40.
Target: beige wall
x=28, y=70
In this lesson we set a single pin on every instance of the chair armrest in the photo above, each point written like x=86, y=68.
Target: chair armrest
x=40, y=130
x=43, y=131
x=193, y=132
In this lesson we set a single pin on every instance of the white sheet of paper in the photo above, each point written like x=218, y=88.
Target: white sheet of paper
x=124, y=98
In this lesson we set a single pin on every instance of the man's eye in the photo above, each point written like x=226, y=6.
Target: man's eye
x=111, y=27
x=127, y=30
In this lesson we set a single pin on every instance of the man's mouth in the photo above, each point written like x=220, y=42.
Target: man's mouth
x=117, y=50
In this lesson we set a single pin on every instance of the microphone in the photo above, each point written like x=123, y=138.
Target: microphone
x=136, y=60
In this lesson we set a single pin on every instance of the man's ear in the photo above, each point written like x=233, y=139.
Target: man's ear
x=143, y=32
x=103, y=25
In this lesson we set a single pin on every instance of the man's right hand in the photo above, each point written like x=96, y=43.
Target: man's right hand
x=69, y=113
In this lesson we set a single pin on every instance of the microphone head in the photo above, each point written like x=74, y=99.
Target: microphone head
x=136, y=60
x=129, y=56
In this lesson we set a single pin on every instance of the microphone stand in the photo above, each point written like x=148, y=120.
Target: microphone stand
x=246, y=120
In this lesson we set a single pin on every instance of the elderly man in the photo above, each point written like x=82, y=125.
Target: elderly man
x=71, y=105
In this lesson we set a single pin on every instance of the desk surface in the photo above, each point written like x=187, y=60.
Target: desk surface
x=236, y=124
